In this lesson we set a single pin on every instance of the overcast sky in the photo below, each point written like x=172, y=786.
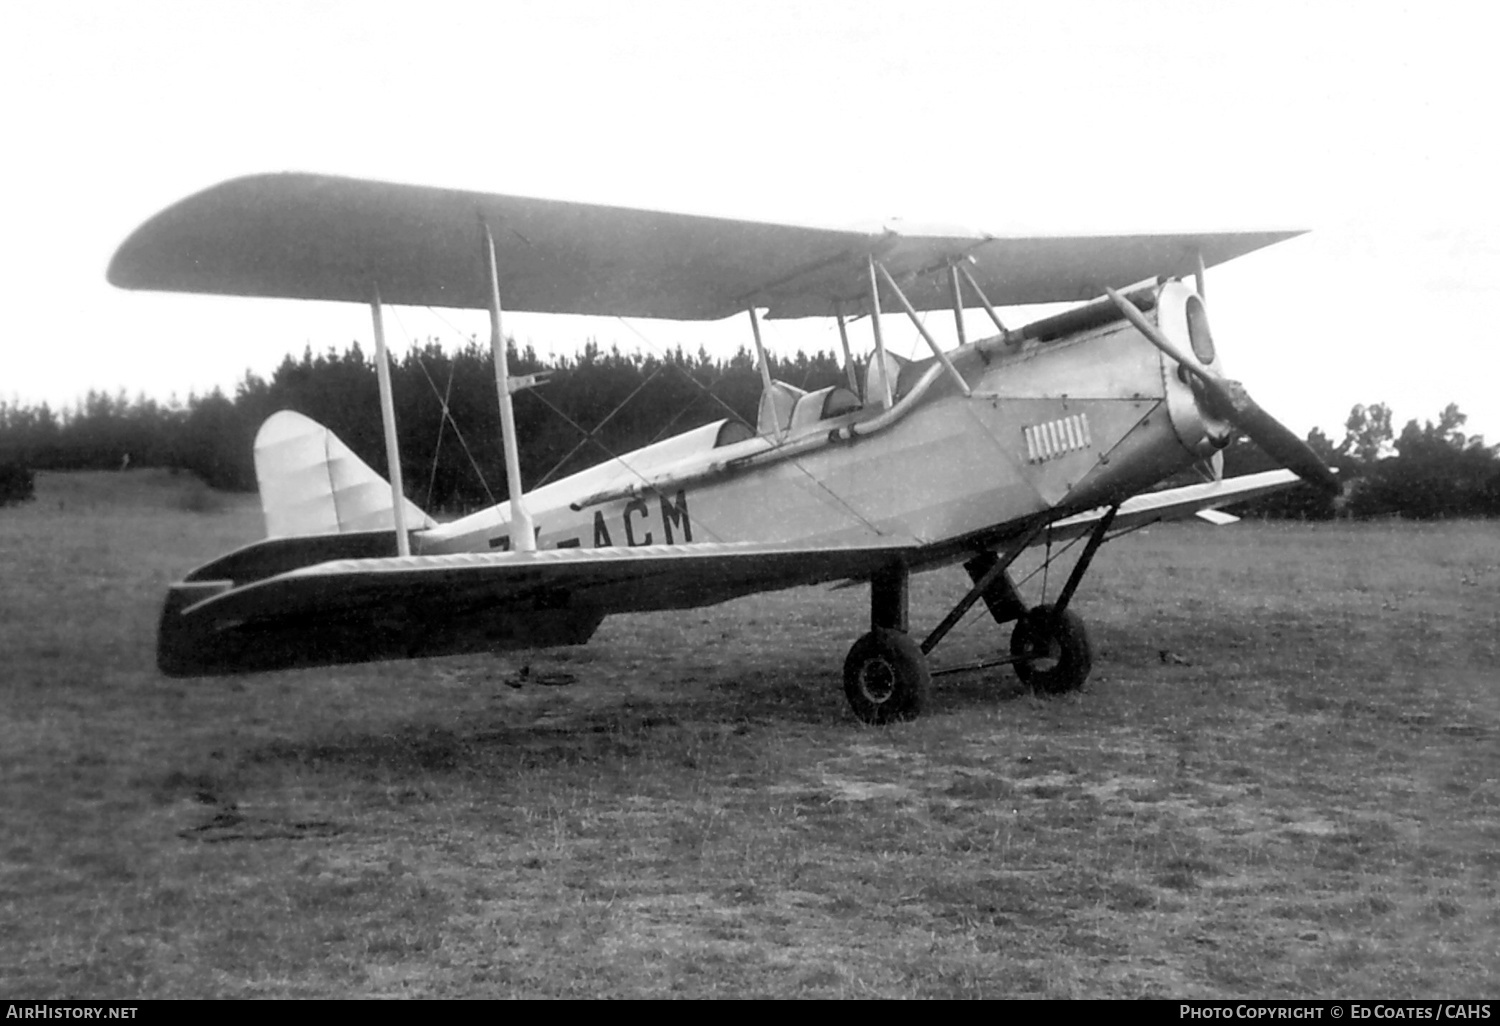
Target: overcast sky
x=1372, y=124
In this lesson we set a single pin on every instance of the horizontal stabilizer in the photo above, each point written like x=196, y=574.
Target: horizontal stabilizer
x=312, y=483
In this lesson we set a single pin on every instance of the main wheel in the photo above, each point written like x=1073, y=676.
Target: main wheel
x=886, y=678
x=1051, y=650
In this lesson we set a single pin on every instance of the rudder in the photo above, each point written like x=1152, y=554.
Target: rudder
x=312, y=483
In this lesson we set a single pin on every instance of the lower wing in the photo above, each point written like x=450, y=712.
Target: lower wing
x=1177, y=503
x=360, y=609
x=373, y=606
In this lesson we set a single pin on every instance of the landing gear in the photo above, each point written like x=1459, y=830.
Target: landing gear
x=1049, y=646
x=886, y=678
x=885, y=673
x=1051, y=650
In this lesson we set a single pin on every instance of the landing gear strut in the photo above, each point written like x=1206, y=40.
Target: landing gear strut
x=1049, y=646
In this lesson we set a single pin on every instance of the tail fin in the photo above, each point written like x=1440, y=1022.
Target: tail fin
x=311, y=483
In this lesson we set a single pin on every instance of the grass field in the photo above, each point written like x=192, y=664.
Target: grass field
x=1283, y=779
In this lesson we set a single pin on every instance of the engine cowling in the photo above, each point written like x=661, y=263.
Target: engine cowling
x=1183, y=319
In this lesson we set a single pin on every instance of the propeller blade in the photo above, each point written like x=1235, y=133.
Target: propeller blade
x=1229, y=401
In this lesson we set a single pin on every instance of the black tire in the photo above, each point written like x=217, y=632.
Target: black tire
x=1052, y=651
x=886, y=678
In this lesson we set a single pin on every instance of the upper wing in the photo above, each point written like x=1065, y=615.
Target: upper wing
x=306, y=236
x=1176, y=503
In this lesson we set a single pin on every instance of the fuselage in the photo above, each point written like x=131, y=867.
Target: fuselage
x=1051, y=426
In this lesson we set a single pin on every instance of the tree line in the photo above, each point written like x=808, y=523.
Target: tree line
x=598, y=403
x=450, y=463
x=1429, y=470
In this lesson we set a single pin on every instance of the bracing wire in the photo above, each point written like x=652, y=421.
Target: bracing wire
x=756, y=428
x=669, y=425
x=588, y=435
x=457, y=433
x=1049, y=560
x=700, y=386
x=447, y=415
x=592, y=436
x=437, y=446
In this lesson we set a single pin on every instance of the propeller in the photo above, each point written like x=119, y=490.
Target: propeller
x=1227, y=400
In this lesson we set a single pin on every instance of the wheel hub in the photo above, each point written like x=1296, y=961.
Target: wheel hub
x=885, y=677
x=1044, y=651
x=877, y=680
x=1051, y=650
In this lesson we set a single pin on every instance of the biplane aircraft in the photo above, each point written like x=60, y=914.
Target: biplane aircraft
x=1031, y=435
